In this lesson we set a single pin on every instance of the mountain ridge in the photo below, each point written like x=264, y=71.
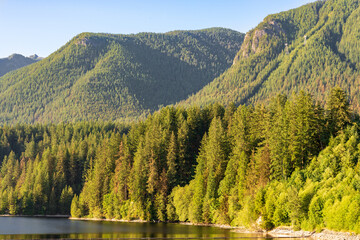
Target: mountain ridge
x=265, y=66
x=124, y=77
x=116, y=76
x=15, y=61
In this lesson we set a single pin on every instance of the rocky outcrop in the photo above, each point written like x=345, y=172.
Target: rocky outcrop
x=35, y=57
x=258, y=39
x=83, y=41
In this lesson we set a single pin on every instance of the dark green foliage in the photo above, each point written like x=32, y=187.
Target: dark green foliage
x=262, y=68
x=112, y=77
x=151, y=162
x=65, y=200
x=338, y=110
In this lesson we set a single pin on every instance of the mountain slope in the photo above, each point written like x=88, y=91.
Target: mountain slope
x=107, y=76
x=265, y=67
x=14, y=62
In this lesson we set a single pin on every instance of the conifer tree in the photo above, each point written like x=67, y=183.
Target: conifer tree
x=172, y=160
x=338, y=108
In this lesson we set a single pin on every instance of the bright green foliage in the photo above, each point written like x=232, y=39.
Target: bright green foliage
x=112, y=77
x=274, y=169
x=182, y=197
x=75, y=207
x=211, y=165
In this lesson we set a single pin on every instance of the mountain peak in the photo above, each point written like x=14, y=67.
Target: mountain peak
x=276, y=57
x=116, y=76
x=35, y=57
x=13, y=62
x=15, y=56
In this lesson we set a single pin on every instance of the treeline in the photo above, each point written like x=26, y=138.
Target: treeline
x=231, y=166
x=291, y=162
x=43, y=166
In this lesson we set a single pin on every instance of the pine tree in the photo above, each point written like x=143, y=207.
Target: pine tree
x=122, y=171
x=139, y=178
x=303, y=130
x=65, y=200
x=338, y=109
x=278, y=138
x=172, y=162
x=185, y=164
x=153, y=179
x=75, y=207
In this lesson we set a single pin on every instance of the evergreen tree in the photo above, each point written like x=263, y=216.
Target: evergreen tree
x=338, y=109
x=172, y=161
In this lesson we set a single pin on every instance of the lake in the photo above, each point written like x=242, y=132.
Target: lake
x=41, y=227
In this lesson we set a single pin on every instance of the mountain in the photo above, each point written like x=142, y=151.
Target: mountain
x=312, y=48
x=16, y=61
x=108, y=77
x=35, y=57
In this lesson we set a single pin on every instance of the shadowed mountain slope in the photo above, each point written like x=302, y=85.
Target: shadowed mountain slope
x=109, y=77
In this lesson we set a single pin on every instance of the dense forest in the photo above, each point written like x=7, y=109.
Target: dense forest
x=236, y=152
x=116, y=77
x=311, y=48
x=125, y=77
x=291, y=162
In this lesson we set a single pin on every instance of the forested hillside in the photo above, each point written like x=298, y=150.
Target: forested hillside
x=42, y=166
x=109, y=77
x=239, y=153
x=292, y=162
x=312, y=48
x=14, y=62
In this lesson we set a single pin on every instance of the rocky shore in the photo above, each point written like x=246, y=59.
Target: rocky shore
x=288, y=232
x=331, y=235
x=323, y=235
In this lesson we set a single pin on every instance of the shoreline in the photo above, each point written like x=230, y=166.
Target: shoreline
x=109, y=220
x=37, y=215
x=325, y=234
x=280, y=232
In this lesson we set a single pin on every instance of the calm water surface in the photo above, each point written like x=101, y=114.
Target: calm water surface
x=33, y=227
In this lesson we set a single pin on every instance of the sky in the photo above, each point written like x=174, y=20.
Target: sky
x=43, y=26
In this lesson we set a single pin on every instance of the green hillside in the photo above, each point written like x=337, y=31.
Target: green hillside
x=263, y=67
x=109, y=77
x=15, y=61
x=290, y=163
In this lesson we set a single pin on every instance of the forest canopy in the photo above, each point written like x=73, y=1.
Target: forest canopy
x=292, y=162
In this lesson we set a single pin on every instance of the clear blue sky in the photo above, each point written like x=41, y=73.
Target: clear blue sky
x=43, y=26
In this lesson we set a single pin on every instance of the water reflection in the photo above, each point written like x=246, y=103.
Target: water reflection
x=55, y=228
